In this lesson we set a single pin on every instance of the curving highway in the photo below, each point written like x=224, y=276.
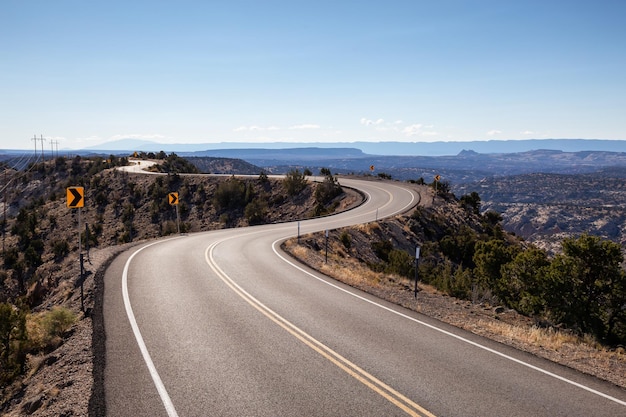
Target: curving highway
x=222, y=323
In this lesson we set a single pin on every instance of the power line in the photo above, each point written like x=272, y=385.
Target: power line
x=35, y=139
x=43, y=158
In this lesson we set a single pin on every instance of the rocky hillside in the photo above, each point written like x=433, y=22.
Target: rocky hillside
x=547, y=208
x=40, y=280
x=121, y=209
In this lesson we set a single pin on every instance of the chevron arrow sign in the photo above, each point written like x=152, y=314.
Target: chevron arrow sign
x=75, y=197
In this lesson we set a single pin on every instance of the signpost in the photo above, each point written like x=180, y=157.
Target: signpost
x=417, y=257
x=326, y=261
x=173, y=199
x=76, y=199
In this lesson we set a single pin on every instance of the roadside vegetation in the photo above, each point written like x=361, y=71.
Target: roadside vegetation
x=40, y=240
x=469, y=256
x=464, y=253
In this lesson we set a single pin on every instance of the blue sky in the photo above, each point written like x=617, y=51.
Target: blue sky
x=88, y=72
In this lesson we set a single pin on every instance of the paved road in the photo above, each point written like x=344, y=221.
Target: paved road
x=223, y=324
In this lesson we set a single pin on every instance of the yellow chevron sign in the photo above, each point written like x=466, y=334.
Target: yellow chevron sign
x=75, y=197
x=173, y=197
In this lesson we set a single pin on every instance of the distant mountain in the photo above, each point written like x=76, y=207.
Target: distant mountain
x=380, y=148
x=206, y=164
x=301, y=154
x=126, y=145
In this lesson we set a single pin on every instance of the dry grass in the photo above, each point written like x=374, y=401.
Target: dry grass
x=582, y=353
x=46, y=329
x=368, y=228
x=354, y=276
x=547, y=338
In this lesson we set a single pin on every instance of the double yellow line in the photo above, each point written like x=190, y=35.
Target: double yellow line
x=393, y=396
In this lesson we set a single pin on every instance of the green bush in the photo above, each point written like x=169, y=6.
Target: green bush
x=587, y=288
x=46, y=329
x=229, y=194
x=12, y=342
x=60, y=249
x=294, y=182
x=256, y=211
x=346, y=239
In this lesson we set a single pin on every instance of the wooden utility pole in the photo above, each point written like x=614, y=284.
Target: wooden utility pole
x=35, y=140
x=43, y=158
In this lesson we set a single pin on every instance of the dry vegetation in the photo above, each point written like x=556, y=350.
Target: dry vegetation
x=494, y=322
x=59, y=377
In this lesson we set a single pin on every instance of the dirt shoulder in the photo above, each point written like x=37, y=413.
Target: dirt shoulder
x=494, y=322
x=68, y=381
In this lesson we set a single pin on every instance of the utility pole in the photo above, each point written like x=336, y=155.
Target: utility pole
x=54, y=144
x=35, y=139
x=43, y=158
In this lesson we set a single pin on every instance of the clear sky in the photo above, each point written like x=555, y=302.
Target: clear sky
x=88, y=72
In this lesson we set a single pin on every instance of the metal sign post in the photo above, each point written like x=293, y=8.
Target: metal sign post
x=76, y=199
x=326, y=261
x=173, y=199
x=417, y=257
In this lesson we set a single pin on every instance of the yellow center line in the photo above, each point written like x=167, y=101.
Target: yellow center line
x=396, y=398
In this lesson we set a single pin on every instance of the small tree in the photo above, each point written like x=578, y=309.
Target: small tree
x=587, y=287
x=328, y=189
x=256, y=211
x=526, y=281
x=294, y=182
x=489, y=258
x=471, y=202
x=12, y=342
x=230, y=194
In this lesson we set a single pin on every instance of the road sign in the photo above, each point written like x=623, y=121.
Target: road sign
x=437, y=177
x=173, y=197
x=75, y=197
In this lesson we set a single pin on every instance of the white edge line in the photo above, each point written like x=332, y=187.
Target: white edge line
x=165, y=398
x=478, y=345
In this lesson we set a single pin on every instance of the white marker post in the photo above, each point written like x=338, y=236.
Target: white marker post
x=326, y=261
x=417, y=257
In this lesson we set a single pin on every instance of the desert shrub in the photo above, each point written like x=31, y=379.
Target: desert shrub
x=32, y=254
x=346, y=239
x=169, y=228
x=328, y=189
x=294, y=182
x=489, y=257
x=12, y=342
x=525, y=277
x=229, y=194
x=11, y=258
x=471, y=202
x=46, y=329
x=587, y=288
x=401, y=263
x=256, y=210
x=60, y=249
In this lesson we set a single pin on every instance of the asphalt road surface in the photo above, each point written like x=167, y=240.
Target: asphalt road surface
x=223, y=324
